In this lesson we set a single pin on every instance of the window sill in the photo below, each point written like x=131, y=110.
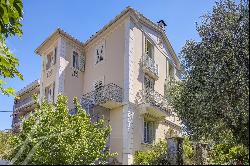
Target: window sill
x=73, y=68
x=147, y=144
x=50, y=67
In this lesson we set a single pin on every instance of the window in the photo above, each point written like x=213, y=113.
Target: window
x=149, y=48
x=49, y=92
x=48, y=64
x=75, y=60
x=149, y=132
x=99, y=53
x=51, y=58
x=148, y=83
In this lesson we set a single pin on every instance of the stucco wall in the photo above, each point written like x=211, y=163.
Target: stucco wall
x=45, y=80
x=73, y=86
x=139, y=33
x=111, y=68
x=116, y=136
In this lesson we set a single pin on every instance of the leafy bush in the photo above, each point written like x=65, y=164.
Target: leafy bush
x=229, y=154
x=5, y=144
x=52, y=136
x=153, y=156
x=188, y=152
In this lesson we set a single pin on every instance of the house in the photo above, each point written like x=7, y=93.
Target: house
x=119, y=73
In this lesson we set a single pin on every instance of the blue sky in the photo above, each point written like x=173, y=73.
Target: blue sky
x=82, y=19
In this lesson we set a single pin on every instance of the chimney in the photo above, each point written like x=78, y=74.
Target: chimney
x=162, y=24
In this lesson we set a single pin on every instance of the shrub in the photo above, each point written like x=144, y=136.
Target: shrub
x=188, y=152
x=153, y=156
x=229, y=154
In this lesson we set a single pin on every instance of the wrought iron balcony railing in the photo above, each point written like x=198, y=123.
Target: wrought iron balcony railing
x=26, y=101
x=109, y=93
x=150, y=66
x=155, y=99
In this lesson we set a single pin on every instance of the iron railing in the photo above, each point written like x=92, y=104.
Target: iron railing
x=23, y=102
x=109, y=92
x=150, y=64
x=155, y=99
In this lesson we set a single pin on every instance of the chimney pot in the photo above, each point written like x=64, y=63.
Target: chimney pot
x=162, y=24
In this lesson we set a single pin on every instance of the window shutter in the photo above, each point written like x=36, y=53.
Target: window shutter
x=145, y=132
x=82, y=63
x=46, y=93
x=53, y=94
x=55, y=52
x=74, y=58
x=146, y=46
x=52, y=57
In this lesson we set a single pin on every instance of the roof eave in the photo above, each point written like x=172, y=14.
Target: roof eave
x=108, y=25
x=62, y=33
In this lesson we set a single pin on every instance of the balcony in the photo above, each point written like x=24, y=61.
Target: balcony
x=108, y=96
x=153, y=103
x=150, y=67
x=24, y=103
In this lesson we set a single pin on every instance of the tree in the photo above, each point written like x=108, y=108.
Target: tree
x=212, y=101
x=226, y=154
x=53, y=136
x=11, y=13
x=5, y=144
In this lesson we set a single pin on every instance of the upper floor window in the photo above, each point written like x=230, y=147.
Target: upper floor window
x=149, y=48
x=149, y=132
x=148, y=83
x=51, y=58
x=99, y=53
x=75, y=60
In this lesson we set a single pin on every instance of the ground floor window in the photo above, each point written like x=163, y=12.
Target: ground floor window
x=149, y=132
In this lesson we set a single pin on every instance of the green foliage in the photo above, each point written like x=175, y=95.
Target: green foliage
x=5, y=144
x=188, y=152
x=11, y=13
x=155, y=155
x=229, y=154
x=52, y=136
x=212, y=101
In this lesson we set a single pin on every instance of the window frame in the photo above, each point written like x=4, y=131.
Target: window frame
x=51, y=58
x=151, y=82
x=100, y=47
x=75, y=60
x=148, y=134
x=146, y=41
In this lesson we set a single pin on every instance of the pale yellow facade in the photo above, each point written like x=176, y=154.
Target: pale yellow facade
x=108, y=75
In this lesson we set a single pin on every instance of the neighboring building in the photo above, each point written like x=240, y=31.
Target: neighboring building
x=24, y=103
x=119, y=73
